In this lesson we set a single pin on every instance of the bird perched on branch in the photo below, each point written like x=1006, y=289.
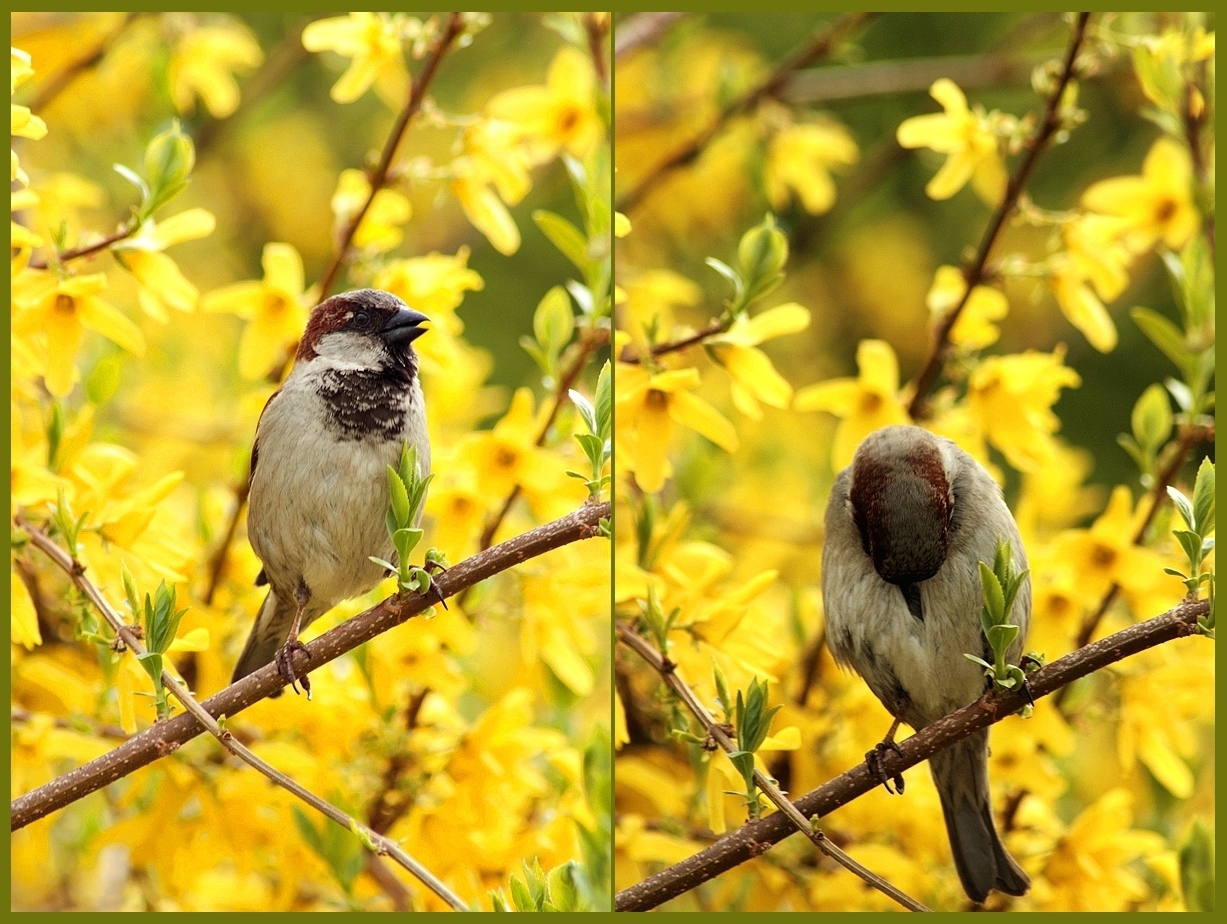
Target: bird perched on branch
x=319, y=490
x=906, y=526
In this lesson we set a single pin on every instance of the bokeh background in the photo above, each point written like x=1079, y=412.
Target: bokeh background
x=732, y=542
x=478, y=739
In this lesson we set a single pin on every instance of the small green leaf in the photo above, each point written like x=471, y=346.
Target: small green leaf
x=1163, y=334
x=586, y=410
x=1203, y=499
x=553, y=321
x=1197, y=869
x=398, y=498
x=1182, y=504
x=604, y=402
x=1152, y=419
x=566, y=237
x=722, y=690
x=994, y=597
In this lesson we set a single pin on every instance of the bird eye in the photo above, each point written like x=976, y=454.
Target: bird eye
x=361, y=318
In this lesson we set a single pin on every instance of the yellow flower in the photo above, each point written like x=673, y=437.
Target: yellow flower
x=1093, y=257
x=559, y=115
x=378, y=230
x=974, y=328
x=24, y=124
x=799, y=159
x=648, y=406
x=20, y=68
x=434, y=285
x=650, y=299
x=1155, y=206
x=1012, y=397
x=274, y=307
x=865, y=404
x=968, y=138
x=202, y=65
x=62, y=309
x=161, y=284
x=23, y=621
x=373, y=40
x=754, y=377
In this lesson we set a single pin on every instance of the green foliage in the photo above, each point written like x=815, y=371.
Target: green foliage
x=597, y=443
x=553, y=325
x=406, y=492
x=342, y=850
x=1000, y=585
x=761, y=255
x=1197, y=867
x=169, y=159
x=539, y=891
x=753, y=723
x=1152, y=425
x=161, y=624
x=1197, y=541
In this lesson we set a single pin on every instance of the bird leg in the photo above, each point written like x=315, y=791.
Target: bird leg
x=432, y=568
x=873, y=760
x=285, y=654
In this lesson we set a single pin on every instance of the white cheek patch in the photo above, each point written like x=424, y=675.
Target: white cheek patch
x=346, y=348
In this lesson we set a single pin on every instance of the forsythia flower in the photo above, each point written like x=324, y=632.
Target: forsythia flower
x=434, y=285
x=1013, y=397
x=651, y=297
x=274, y=307
x=799, y=159
x=975, y=327
x=1155, y=206
x=492, y=158
x=754, y=377
x=202, y=64
x=62, y=309
x=559, y=115
x=379, y=228
x=865, y=403
x=968, y=138
x=373, y=40
x=1093, y=266
x=648, y=405
x=162, y=285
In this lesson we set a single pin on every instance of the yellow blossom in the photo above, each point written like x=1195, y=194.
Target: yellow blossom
x=648, y=406
x=379, y=228
x=23, y=623
x=799, y=159
x=373, y=40
x=1092, y=266
x=651, y=297
x=965, y=135
x=561, y=115
x=865, y=403
x=274, y=307
x=754, y=377
x=434, y=285
x=62, y=309
x=161, y=284
x=203, y=63
x=61, y=196
x=1155, y=206
x=1012, y=398
x=975, y=327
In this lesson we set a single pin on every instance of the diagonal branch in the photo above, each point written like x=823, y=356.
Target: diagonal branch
x=376, y=842
x=641, y=31
x=668, y=672
x=754, y=838
x=819, y=46
x=60, y=82
x=974, y=274
x=165, y=737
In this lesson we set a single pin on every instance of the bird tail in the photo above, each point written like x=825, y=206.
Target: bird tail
x=961, y=775
x=271, y=629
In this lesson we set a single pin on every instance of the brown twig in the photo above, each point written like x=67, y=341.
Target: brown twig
x=217, y=563
x=376, y=842
x=59, y=82
x=641, y=30
x=716, y=327
x=819, y=46
x=668, y=673
x=455, y=26
x=1192, y=132
x=165, y=737
x=125, y=231
x=974, y=274
x=597, y=27
x=753, y=838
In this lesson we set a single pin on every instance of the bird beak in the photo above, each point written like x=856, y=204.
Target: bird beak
x=402, y=327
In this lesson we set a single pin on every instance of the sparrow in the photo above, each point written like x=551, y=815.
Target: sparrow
x=906, y=524
x=318, y=491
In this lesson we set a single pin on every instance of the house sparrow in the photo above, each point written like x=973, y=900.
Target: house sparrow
x=319, y=488
x=906, y=525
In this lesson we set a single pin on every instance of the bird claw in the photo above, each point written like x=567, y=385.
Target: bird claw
x=873, y=760
x=433, y=568
x=285, y=665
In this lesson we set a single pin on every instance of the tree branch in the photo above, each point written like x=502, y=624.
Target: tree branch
x=165, y=737
x=756, y=837
x=819, y=46
x=640, y=30
x=59, y=82
x=668, y=672
x=974, y=274
x=376, y=842
x=715, y=328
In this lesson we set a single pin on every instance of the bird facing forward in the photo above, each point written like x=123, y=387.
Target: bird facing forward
x=906, y=525
x=318, y=490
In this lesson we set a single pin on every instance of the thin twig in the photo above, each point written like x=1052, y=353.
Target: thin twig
x=217, y=563
x=60, y=81
x=819, y=46
x=974, y=274
x=641, y=30
x=668, y=673
x=378, y=179
x=165, y=737
x=375, y=841
x=754, y=838
x=125, y=231
x=719, y=326
x=1192, y=132
x=597, y=26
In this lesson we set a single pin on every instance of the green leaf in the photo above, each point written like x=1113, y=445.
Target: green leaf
x=728, y=273
x=134, y=178
x=994, y=596
x=1203, y=499
x=560, y=887
x=586, y=410
x=554, y=321
x=406, y=540
x=1001, y=637
x=398, y=498
x=1197, y=870
x=169, y=159
x=1163, y=334
x=566, y=237
x=1182, y=504
x=604, y=403
x=722, y=690
x=761, y=255
x=1152, y=418
x=103, y=381
x=521, y=897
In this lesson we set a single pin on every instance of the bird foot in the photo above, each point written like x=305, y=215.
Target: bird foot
x=285, y=665
x=873, y=760
x=433, y=568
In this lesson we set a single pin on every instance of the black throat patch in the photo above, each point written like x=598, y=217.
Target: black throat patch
x=365, y=404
